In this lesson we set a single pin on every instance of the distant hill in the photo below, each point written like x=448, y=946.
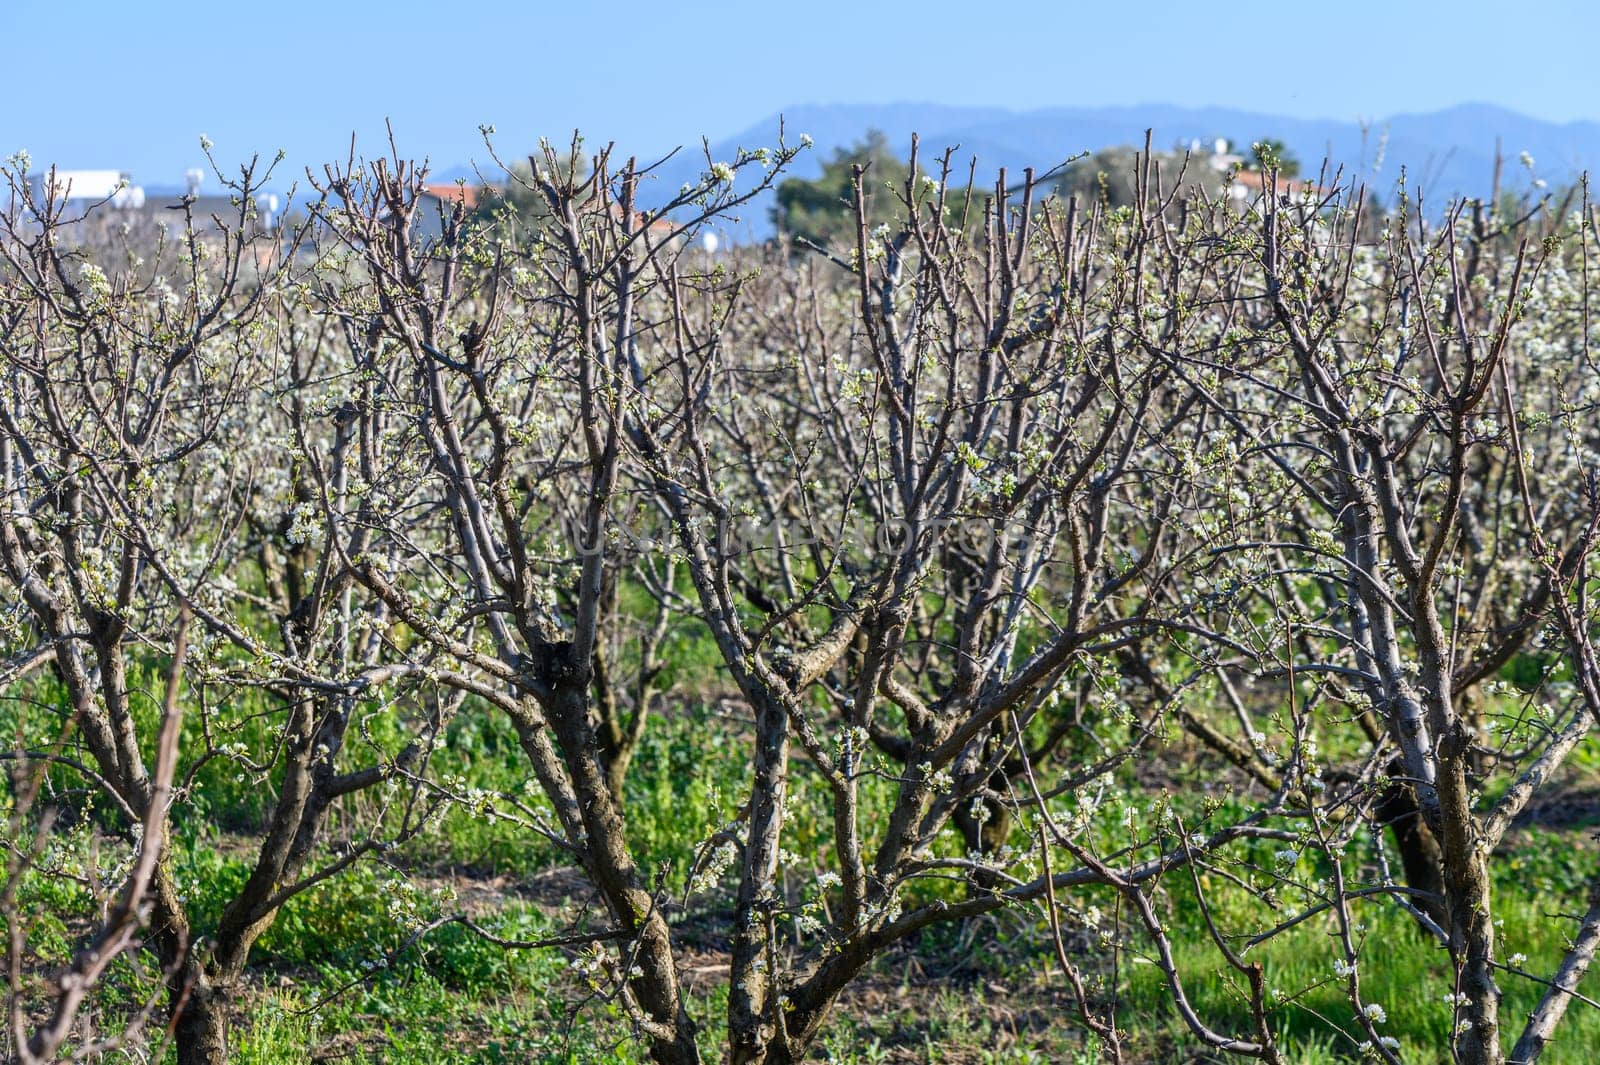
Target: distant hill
x=1450, y=152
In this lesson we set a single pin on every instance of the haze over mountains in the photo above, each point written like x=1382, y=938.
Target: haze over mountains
x=1450, y=152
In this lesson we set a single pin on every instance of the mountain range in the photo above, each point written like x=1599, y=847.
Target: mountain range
x=1449, y=153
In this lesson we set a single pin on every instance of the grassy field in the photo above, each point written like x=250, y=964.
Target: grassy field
x=343, y=975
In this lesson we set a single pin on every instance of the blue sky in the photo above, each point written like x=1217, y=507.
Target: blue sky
x=133, y=85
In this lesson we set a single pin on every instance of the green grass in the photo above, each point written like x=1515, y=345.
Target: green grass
x=415, y=1018
x=316, y=987
x=1401, y=968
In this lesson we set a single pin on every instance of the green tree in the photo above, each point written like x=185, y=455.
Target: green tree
x=1111, y=175
x=1269, y=153
x=517, y=204
x=822, y=210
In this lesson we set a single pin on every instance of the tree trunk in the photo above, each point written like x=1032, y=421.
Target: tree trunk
x=612, y=870
x=199, y=1007
x=1471, y=927
x=1420, y=860
x=201, y=1033
x=985, y=835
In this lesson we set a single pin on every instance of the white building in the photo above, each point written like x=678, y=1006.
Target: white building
x=92, y=185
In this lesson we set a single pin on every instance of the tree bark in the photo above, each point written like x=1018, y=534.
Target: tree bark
x=1471, y=927
x=200, y=1035
x=1420, y=860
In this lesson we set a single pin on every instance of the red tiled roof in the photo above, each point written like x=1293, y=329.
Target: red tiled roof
x=1256, y=181
x=467, y=195
x=659, y=225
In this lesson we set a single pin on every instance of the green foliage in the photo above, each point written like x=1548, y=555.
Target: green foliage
x=410, y=1015
x=1401, y=970
x=1272, y=154
x=279, y=1032
x=685, y=781
x=480, y=752
x=822, y=210
x=1111, y=176
x=517, y=207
